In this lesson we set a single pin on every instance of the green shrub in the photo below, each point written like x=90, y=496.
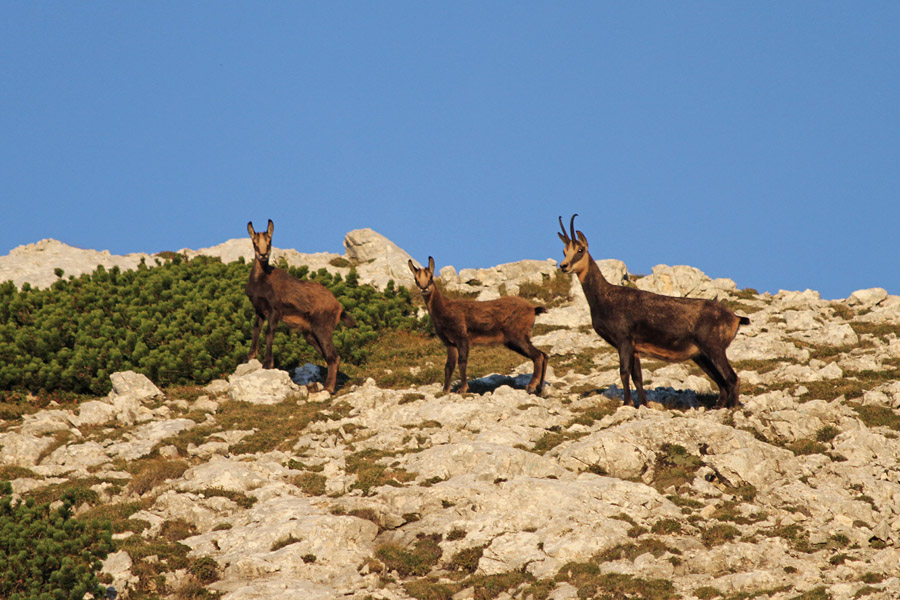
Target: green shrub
x=182, y=322
x=45, y=553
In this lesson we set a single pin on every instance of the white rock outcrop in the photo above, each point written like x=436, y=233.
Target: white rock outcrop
x=378, y=259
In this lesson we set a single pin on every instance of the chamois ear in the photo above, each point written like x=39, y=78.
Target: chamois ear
x=250, y=228
x=412, y=267
x=271, y=228
x=581, y=238
x=431, y=265
x=564, y=239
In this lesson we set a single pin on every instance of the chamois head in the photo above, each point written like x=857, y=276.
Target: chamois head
x=424, y=277
x=262, y=242
x=576, y=258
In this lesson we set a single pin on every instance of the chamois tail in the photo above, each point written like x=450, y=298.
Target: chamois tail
x=743, y=320
x=346, y=319
x=539, y=310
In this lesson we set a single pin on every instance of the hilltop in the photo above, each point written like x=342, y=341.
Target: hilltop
x=260, y=486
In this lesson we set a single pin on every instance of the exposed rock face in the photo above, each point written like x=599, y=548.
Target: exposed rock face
x=683, y=281
x=797, y=489
x=251, y=383
x=378, y=259
x=36, y=263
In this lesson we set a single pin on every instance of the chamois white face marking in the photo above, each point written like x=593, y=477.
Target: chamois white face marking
x=575, y=258
x=262, y=242
x=575, y=251
x=423, y=277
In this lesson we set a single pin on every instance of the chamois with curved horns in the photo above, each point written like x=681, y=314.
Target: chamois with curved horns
x=307, y=306
x=459, y=323
x=637, y=323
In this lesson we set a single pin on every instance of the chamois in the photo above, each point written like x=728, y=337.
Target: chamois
x=307, y=306
x=459, y=323
x=636, y=322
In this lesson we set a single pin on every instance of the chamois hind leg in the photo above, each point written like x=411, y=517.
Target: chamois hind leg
x=528, y=350
x=314, y=342
x=638, y=376
x=450, y=366
x=543, y=371
x=254, y=340
x=710, y=369
x=325, y=345
x=626, y=357
x=732, y=385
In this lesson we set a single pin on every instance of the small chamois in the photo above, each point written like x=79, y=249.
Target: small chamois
x=637, y=323
x=459, y=323
x=307, y=306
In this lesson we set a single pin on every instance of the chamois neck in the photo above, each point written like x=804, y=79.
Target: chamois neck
x=260, y=269
x=433, y=299
x=592, y=278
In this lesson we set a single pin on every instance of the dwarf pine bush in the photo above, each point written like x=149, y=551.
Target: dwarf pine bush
x=46, y=554
x=182, y=322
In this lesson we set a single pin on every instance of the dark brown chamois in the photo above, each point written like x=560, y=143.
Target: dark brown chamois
x=307, y=306
x=639, y=323
x=459, y=323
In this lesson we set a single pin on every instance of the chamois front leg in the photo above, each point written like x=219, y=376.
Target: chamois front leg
x=254, y=340
x=332, y=360
x=450, y=366
x=463, y=361
x=626, y=357
x=732, y=383
x=274, y=318
x=638, y=378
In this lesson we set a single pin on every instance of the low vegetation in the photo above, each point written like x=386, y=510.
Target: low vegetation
x=182, y=322
x=47, y=553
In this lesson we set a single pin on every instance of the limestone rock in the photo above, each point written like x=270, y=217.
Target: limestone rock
x=129, y=383
x=255, y=385
x=118, y=565
x=22, y=450
x=36, y=263
x=684, y=282
x=378, y=259
x=484, y=460
x=867, y=298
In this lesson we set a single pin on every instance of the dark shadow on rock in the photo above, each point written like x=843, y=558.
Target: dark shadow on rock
x=309, y=374
x=493, y=381
x=669, y=397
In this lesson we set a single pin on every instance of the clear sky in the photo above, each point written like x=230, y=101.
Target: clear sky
x=758, y=141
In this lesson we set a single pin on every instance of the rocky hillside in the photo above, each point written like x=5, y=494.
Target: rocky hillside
x=257, y=487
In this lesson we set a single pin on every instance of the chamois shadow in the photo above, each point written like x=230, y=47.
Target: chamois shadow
x=668, y=397
x=309, y=374
x=490, y=383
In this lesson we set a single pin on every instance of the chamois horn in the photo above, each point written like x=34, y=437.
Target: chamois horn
x=565, y=235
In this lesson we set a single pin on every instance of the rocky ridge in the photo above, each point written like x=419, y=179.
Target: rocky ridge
x=392, y=494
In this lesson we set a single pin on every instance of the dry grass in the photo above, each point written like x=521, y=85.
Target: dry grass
x=415, y=561
x=674, y=467
x=151, y=473
x=552, y=291
x=312, y=484
x=370, y=471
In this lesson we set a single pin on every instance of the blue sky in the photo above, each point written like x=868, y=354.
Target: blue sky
x=758, y=141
